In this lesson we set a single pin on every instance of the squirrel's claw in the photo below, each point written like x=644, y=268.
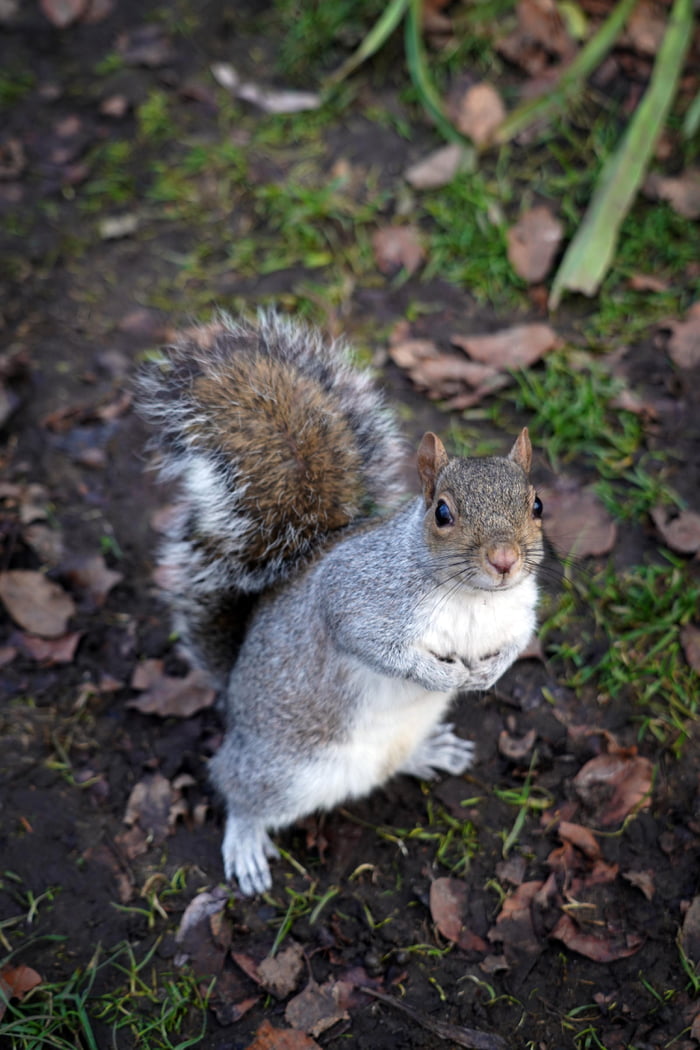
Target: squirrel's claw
x=441, y=750
x=245, y=850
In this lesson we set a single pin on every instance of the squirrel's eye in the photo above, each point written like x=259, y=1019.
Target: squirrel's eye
x=537, y=507
x=443, y=514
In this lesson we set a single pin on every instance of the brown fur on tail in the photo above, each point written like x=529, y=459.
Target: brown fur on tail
x=277, y=441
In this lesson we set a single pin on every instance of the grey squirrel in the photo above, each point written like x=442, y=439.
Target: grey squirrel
x=339, y=620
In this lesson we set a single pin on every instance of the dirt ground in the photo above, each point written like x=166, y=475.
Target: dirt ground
x=359, y=890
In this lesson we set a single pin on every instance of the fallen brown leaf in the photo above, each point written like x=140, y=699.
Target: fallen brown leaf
x=62, y=12
x=514, y=926
x=682, y=191
x=582, y=838
x=228, y=1001
x=269, y=1038
x=690, y=640
x=690, y=932
x=601, y=947
x=516, y=347
x=36, y=603
x=445, y=376
x=149, y=805
x=438, y=168
x=91, y=574
x=198, y=945
x=575, y=520
x=643, y=880
x=46, y=542
x=315, y=1009
x=516, y=748
x=540, y=34
x=15, y=982
x=646, y=282
x=478, y=113
x=51, y=651
x=533, y=243
x=280, y=974
x=680, y=532
x=448, y=902
x=684, y=344
x=397, y=247
x=615, y=785
x=168, y=696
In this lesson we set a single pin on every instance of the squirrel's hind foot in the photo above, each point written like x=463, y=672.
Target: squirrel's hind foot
x=246, y=849
x=441, y=750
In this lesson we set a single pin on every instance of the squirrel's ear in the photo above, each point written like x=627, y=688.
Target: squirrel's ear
x=521, y=452
x=431, y=460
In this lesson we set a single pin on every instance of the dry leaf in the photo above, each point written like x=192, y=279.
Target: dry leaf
x=149, y=806
x=397, y=247
x=681, y=192
x=479, y=112
x=168, y=696
x=269, y=1038
x=516, y=347
x=690, y=932
x=582, y=838
x=646, y=282
x=51, y=651
x=690, y=640
x=438, y=168
x=315, y=1009
x=615, y=785
x=514, y=924
x=601, y=947
x=91, y=574
x=200, y=909
x=575, y=520
x=516, y=748
x=684, y=344
x=36, y=603
x=681, y=533
x=643, y=880
x=448, y=901
x=445, y=376
x=280, y=973
x=62, y=12
x=533, y=243
x=15, y=982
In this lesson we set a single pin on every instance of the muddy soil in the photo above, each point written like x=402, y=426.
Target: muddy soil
x=76, y=321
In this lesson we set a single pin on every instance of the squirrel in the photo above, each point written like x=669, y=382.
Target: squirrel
x=338, y=616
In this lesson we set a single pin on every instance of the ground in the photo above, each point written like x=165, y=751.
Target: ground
x=538, y=900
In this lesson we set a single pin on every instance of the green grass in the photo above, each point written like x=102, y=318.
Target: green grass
x=14, y=85
x=159, y=1011
x=567, y=403
x=639, y=612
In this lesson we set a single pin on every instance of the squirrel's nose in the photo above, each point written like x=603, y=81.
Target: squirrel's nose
x=503, y=558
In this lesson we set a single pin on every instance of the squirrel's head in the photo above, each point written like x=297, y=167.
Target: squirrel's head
x=483, y=518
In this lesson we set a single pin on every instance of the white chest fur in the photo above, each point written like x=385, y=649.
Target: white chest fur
x=475, y=624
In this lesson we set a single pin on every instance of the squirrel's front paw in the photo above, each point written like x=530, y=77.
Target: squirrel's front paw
x=246, y=848
x=482, y=674
x=442, y=750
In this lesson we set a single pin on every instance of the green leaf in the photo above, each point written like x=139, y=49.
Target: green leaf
x=592, y=250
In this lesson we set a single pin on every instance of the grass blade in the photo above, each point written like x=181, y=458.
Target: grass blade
x=378, y=34
x=418, y=68
x=572, y=79
x=590, y=253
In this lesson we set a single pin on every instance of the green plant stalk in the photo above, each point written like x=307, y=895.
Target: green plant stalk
x=377, y=36
x=590, y=253
x=418, y=68
x=572, y=79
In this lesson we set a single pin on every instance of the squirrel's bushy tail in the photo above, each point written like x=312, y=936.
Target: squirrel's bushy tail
x=276, y=441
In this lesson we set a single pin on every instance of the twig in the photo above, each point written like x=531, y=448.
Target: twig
x=469, y=1037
